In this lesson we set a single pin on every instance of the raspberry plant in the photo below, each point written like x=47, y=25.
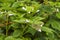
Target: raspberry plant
x=29, y=19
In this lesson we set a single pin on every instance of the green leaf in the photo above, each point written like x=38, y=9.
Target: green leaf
x=17, y=33
x=58, y=15
x=47, y=29
x=22, y=20
x=31, y=30
x=15, y=4
x=55, y=24
x=1, y=37
x=10, y=38
x=29, y=8
x=19, y=39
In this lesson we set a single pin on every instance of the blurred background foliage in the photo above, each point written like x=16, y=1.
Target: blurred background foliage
x=29, y=19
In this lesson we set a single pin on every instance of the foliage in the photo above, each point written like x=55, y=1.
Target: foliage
x=29, y=19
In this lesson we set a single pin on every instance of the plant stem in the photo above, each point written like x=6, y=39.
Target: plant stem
x=6, y=24
x=24, y=29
